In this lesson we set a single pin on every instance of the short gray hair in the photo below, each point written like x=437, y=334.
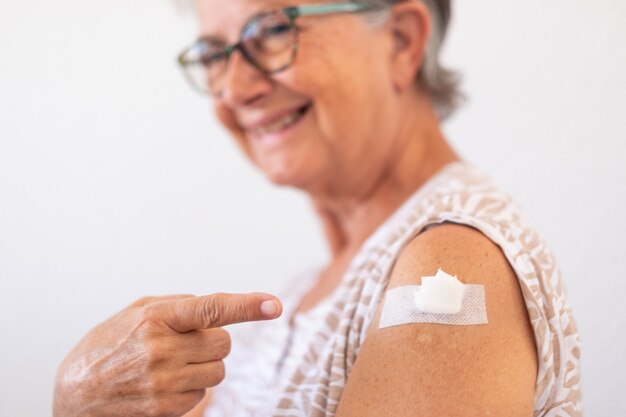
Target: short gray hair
x=440, y=83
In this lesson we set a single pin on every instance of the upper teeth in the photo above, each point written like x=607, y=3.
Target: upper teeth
x=278, y=125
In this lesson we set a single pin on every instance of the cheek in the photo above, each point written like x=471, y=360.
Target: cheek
x=341, y=72
x=344, y=111
x=330, y=86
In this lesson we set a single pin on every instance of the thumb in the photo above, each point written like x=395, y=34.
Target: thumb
x=217, y=310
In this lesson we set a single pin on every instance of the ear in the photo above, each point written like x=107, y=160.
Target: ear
x=410, y=25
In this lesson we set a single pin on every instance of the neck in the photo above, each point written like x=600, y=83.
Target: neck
x=349, y=219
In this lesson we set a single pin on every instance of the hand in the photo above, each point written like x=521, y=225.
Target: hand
x=156, y=357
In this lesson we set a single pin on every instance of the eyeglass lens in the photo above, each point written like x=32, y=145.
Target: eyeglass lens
x=268, y=42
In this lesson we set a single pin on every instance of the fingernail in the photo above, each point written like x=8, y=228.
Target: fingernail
x=269, y=308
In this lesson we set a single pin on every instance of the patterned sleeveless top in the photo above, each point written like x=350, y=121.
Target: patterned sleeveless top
x=299, y=366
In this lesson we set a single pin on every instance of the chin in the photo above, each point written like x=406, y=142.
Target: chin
x=285, y=179
x=288, y=174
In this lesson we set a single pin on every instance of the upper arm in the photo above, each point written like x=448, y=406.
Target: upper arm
x=433, y=369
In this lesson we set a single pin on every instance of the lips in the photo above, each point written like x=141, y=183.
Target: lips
x=277, y=122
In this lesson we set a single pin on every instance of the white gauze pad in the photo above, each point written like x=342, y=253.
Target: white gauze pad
x=441, y=299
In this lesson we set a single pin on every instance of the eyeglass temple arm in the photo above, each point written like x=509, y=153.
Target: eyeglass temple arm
x=320, y=9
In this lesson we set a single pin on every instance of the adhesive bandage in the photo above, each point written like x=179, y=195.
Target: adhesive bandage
x=441, y=299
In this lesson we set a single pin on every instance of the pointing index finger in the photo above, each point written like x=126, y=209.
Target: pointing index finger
x=217, y=310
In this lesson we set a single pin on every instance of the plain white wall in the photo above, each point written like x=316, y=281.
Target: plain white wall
x=115, y=181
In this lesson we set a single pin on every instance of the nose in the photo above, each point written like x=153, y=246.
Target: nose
x=243, y=83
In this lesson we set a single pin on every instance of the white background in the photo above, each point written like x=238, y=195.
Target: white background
x=116, y=182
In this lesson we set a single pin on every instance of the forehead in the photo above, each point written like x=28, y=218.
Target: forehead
x=225, y=18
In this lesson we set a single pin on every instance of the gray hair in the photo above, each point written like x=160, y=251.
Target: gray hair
x=439, y=82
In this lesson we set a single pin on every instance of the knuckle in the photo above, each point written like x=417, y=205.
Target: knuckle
x=194, y=397
x=155, y=385
x=218, y=372
x=211, y=309
x=160, y=381
x=160, y=406
x=186, y=401
x=199, y=395
x=147, y=315
x=227, y=343
x=155, y=354
x=148, y=344
x=221, y=343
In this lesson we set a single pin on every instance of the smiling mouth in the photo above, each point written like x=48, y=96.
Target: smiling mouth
x=281, y=124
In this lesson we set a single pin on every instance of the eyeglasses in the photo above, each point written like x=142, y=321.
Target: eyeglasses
x=268, y=41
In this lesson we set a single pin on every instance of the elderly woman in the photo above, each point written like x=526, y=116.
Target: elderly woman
x=438, y=298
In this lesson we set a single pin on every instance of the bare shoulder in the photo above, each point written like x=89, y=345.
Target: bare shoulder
x=436, y=369
x=460, y=250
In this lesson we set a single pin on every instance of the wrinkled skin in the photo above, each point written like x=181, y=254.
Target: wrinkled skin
x=154, y=358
